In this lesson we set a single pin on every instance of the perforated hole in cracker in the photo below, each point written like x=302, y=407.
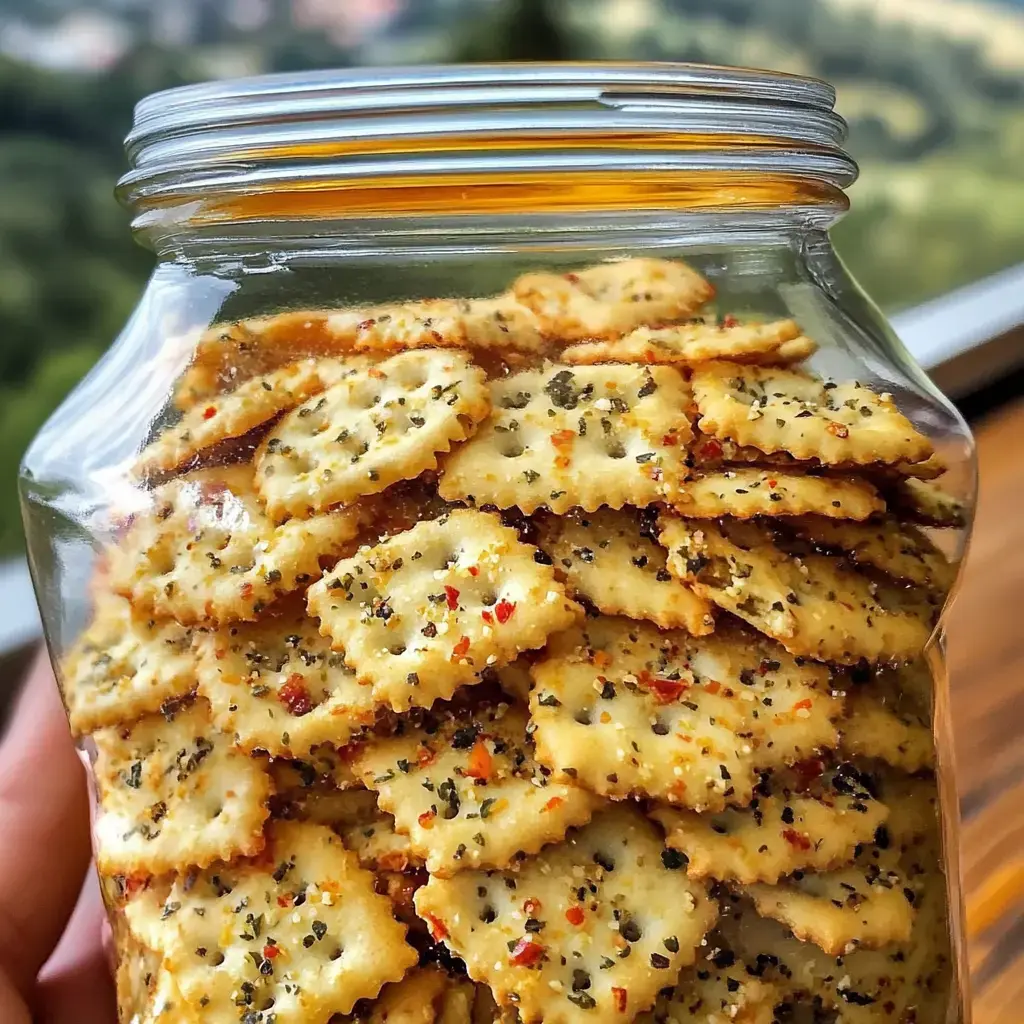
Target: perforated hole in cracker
x=588, y=436
x=428, y=610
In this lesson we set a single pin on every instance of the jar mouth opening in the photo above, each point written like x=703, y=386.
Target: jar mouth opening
x=343, y=127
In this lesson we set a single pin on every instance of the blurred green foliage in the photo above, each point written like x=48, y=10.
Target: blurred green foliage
x=940, y=135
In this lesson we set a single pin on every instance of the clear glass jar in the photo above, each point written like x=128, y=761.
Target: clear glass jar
x=479, y=514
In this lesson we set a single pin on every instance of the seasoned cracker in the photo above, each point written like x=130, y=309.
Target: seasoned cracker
x=299, y=932
x=913, y=802
x=608, y=559
x=590, y=436
x=468, y=792
x=612, y=299
x=514, y=679
x=430, y=609
x=323, y=770
x=685, y=344
x=573, y=927
x=175, y=794
x=718, y=989
x=782, y=831
x=252, y=403
x=629, y=710
x=276, y=685
x=124, y=666
x=793, y=350
x=777, y=409
x=426, y=995
x=868, y=904
x=898, y=549
x=744, y=492
x=205, y=550
x=927, y=503
x=883, y=722
x=378, y=425
x=816, y=606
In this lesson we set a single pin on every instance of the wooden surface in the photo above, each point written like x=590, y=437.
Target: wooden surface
x=986, y=659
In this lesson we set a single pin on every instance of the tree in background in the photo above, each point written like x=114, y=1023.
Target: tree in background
x=516, y=31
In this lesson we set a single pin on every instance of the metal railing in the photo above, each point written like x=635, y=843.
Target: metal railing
x=965, y=340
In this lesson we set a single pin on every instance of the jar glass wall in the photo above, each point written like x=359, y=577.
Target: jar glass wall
x=501, y=565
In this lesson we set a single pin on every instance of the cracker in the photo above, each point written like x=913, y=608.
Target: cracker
x=612, y=299
x=562, y=936
x=607, y=558
x=927, y=503
x=629, y=710
x=793, y=350
x=430, y=609
x=784, y=830
x=868, y=904
x=744, y=492
x=514, y=679
x=426, y=995
x=913, y=802
x=323, y=770
x=882, y=723
x=468, y=792
x=499, y=323
x=777, y=409
x=276, y=685
x=718, y=989
x=124, y=666
x=685, y=344
x=814, y=605
x=252, y=403
x=368, y=831
x=898, y=549
x=590, y=436
x=174, y=794
x=375, y=427
x=165, y=1004
x=205, y=551
x=292, y=937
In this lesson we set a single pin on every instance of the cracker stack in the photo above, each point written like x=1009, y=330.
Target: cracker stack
x=552, y=657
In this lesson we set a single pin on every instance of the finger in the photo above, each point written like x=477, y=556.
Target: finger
x=44, y=822
x=75, y=986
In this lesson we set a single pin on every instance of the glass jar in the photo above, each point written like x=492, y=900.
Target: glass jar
x=499, y=570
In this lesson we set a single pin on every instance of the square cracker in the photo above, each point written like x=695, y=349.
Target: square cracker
x=205, y=550
x=611, y=299
x=776, y=409
x=608, y=559
x=276, y=685
x=789, y=826
x=600, y=912
x=816, y=606
x=629, y=710
x=468, y=791
x=686, y=344
x=124, y=666
x=175, y=794
x=587, y=436
x=868, y=904
x=928, y=503
x=378, y=425
x=428, y=610
x=292, y=937
x=748, y=491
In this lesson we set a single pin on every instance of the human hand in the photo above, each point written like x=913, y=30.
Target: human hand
x=53, y=967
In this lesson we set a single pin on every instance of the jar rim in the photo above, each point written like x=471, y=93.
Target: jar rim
x=290, y=129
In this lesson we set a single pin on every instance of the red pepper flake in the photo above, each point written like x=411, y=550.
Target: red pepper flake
x=555, y=801
x=452, y=596
x=286, y=900
x=426, y=819
x=481, y=764
x=796, y=839
x=425, y=756
x=474, y=571
x=460, y=648
x=562, y=461
x=350, y=751
x=575, y=916
x=561, y=438
x=773, y=483
x=365, y=325
x=503, y=610
x=209, y=412
x=807, y=771
x=436, y=335
x=837, y=429
x=670, y=439
x=665, y=691
x=713, y=686
x=376, y=374
x=437, y=928
x=134, y=884
x=709, y=450
x=295, y=697
x=531, y=906
x=730, y=321
x=801, y=704
x=246, y=589
x=573, y=278
x=487, y=617
x=270, y=952
x=526, y=953
x=620, y=995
